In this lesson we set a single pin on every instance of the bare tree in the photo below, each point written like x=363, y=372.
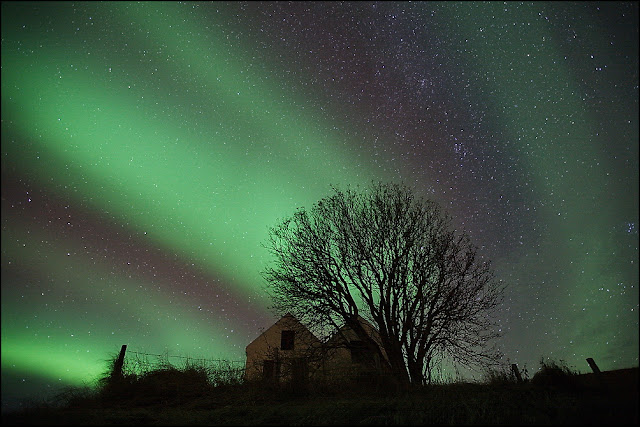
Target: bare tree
x=395, y=260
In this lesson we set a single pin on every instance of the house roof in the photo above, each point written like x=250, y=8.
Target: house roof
x=290, y=317
x=364, y=322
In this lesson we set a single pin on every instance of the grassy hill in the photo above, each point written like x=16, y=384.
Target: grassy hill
x=193, y=396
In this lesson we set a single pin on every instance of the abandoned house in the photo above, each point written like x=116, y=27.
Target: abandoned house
x=282, y=351
x=288, y=351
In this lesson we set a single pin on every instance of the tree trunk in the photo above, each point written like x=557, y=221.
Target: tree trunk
x=416, y=374
x=399, y=372
x=398, y=368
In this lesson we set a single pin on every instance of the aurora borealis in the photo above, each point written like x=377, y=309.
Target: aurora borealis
x=147, y=147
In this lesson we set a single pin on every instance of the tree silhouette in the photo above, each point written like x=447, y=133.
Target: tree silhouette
x=395, y=260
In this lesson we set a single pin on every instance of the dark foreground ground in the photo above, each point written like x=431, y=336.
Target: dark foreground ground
x=608, y=399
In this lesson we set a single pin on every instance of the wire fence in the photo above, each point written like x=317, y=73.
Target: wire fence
x=218, y=371
x=189, y=358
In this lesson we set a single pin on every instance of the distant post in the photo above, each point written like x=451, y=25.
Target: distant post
x=593, y=365
x=117, y=368
x=516, y=372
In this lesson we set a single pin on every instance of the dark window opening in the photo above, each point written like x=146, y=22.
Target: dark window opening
x=360, y=353
x=287, y=339
x=300, y=370
x=271, y=370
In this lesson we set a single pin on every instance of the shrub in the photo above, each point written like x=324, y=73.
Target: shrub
x=554, y=374
x=141, y=383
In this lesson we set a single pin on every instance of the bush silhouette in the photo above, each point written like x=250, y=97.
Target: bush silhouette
x=554, y=374
x=143, y=386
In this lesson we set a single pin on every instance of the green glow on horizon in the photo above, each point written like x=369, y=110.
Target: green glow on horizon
x=120, y=310
x=54, y=362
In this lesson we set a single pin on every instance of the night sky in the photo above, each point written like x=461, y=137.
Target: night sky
x=148, y=147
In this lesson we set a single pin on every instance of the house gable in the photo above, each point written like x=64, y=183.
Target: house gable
x=280, y=349
x=348, y=352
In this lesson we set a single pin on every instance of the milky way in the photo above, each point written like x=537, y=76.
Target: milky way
x=148, y=147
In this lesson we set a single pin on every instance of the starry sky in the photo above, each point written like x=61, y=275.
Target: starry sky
x=148, y=147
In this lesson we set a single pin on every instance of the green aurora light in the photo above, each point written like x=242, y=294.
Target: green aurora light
x=154, y=128
x=103, y=138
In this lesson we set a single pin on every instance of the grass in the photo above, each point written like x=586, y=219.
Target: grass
x=198, y=395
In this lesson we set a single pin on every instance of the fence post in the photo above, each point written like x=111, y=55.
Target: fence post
x=593, y=365
x=516, y=372
x=117, y=368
